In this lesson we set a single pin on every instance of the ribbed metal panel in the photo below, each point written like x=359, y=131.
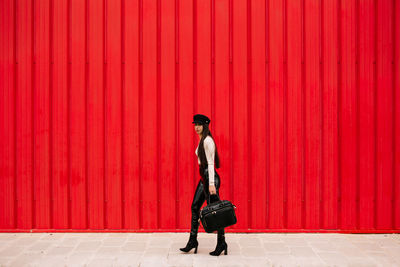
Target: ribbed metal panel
x=97, y=99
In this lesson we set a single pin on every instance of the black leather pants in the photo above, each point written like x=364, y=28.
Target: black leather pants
x=201, y=194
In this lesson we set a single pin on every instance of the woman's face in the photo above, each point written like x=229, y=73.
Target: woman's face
x=198, y=128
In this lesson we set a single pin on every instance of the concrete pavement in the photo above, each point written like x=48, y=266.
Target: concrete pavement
x=162, y=249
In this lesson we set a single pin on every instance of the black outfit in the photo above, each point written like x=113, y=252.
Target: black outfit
x=201, y=194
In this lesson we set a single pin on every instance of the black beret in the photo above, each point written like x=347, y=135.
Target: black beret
x=200, y=118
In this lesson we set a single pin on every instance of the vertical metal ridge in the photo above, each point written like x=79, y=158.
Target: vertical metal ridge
x=194, y=55
x=249, y=102
x=123, y=70
x=140, y=112
x=51, y=73
x=69, y=111
x=177, y=104
x=321, y=95
x=285, y=116
x=158, y=85
x=267, y=114
x=375, y=114
x=33, y=81
x=105, y=213
x=15, y=86
x=339, y=126
x=303, y=156
x=213, y=63
x=194, y=73
x=358, y=114
x=86, y=112
x=394, y=114
x=231, y=97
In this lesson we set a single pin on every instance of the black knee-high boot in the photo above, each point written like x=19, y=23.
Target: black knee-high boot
x=198, y=200
x=221, y=244
x=193, y=243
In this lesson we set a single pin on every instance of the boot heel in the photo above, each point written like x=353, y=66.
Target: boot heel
x=195, y=250
x=226, y=251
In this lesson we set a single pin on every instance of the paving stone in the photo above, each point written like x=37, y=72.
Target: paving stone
x=357, y=237
x=204, y=241
x=25, y=259
x=382, y=259
x=323, y=246
x=271, y=239
x=317, y=238
x=11, y=251
x=388, y=242
x=162, y=252
x=294, y=241
x=333, y=258
x=358, y=262
x=41, y=246
x=206, y=261
x=153, y=261
x=159, y=242
x=88, y=246
x=316, y=261
x=70, y=241
x=369, y=246
x=232, y=259
x=128, y=259
x=117, y=235
x=393, y=253
x=253, y=252
x=92, y=238
x=114, y=241
x=79, y=258
x=9, y=236
x=302, y=252
x=180, y=260
x=280, y=259
x=59, y=251
x=51, y=236
x=134, y=246
x=5, y=260
x=262, y=262
x=101, y=263
x=108, y=251
x=50, y=261
x=276, y=247
x=26, y=241
x=250, y=241
x=139, y=236
x=351, y=251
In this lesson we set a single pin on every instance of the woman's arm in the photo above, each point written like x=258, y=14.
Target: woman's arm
x=209, y=148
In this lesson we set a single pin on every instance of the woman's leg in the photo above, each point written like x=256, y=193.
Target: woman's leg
x=221, y=244
x=198, y=200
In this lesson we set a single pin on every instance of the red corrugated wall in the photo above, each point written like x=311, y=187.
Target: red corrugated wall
x=97, y=99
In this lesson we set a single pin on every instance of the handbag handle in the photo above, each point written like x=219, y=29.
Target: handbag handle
x=209, y=197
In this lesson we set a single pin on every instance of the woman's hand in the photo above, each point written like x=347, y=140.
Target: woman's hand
x=212, y=190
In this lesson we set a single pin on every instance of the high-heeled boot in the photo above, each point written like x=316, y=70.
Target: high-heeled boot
x=221, y=244
x=192, y=243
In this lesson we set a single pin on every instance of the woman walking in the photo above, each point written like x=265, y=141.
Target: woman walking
x=208, y=185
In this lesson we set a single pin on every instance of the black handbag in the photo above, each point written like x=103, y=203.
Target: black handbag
x=218, y=214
